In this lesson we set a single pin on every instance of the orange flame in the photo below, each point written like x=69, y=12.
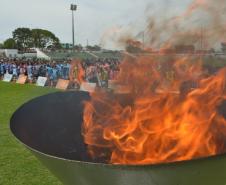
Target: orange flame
x=174, y=109
x=76, y=71
x=153, y=124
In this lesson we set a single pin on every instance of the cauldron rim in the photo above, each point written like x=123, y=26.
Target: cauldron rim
x=101, y=164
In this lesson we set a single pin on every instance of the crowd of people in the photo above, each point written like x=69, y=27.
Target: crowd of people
x=90, y=70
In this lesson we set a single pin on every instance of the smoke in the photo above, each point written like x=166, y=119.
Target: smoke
x=202, y=24
x=203, y=21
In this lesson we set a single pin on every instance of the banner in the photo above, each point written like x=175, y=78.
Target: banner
x=62, y=84
x=41, y=81
x=88, y=87
x=22, y=79
x=7, y=78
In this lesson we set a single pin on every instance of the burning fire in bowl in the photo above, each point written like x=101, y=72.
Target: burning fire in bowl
x=52, y=128
x=167, y=127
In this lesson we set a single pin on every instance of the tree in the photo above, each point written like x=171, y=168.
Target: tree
x=223, y=47
x=93, y=48
x=96, y=48
x=78, y=47
x=26, y=38
x=133, y=46
x=10, y=44
x=212, y=50
x=1, y=46
x=44, y=38
x=23, y=38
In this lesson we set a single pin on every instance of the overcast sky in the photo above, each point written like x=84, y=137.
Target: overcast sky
x=93, y=17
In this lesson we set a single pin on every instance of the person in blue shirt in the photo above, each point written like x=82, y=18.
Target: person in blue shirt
x=64, y=71
x=59, y=70
x=54, y=76
x=49, y=72
x=2, y=70
x=14, y=71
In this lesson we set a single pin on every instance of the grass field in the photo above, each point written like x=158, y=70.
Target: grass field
x=17, y=165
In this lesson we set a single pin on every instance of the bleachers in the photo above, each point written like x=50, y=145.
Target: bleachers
x=62, y=55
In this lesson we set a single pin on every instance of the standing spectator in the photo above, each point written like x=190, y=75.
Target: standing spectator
x=29, y=72
x=14, y=71
x=92, y=70
x=76, y=73
x=54, y=75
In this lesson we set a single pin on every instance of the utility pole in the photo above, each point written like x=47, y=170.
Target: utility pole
x=73, y=8
x=202, y=38
x=143, y=39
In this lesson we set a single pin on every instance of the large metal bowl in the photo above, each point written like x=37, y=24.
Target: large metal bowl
x=50, y=126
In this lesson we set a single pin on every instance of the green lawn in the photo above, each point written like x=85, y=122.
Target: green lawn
x=17, y=165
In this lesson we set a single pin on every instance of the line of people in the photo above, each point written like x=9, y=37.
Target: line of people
x=93, y=70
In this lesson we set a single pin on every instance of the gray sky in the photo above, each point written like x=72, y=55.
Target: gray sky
x=93, y=19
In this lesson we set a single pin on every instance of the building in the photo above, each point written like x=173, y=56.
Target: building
x=66, y=46
x=12, y=53
x=29, y=53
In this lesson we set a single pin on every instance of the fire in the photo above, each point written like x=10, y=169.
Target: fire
x=174, y=108
x=153, y=124
x=77, y=73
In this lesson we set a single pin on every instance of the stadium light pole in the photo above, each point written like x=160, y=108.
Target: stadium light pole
x=73, y=8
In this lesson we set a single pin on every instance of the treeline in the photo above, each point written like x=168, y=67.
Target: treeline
x=89, y=48
x=23, y=38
